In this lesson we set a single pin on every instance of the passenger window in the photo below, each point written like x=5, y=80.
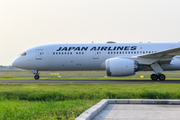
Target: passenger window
x=134, y=52
x=71, y=53
x=119, y=52
x=79, y=52
x=82, y=52
x=140, y=52
x=111, y=52
x=143, y=52
x=56, y=53
x=76, y=52
x=126, y=52
x=53, y=53
x=129, y=52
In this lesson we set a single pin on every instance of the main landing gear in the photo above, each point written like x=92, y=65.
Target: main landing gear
x=157, y=69
x=155, y=77
x=36, y=74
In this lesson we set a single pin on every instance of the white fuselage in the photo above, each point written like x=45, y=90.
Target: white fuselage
x=62, y=57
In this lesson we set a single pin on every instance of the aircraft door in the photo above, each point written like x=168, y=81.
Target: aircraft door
x=95, y=54
x=39, y=54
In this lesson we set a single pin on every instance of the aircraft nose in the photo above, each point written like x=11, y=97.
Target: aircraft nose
x=17, y=62
x=14, y=63
x=21, y=62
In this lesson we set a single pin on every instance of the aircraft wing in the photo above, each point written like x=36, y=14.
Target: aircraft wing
x=161, y=56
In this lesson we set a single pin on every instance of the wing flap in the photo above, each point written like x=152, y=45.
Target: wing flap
x=161, y=56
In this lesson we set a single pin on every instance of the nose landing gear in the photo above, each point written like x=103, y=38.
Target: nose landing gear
x=35, y=72
x=36, y=77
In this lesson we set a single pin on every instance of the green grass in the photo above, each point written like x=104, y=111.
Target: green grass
x=26, y=110
x=67, y=101
x=61, y=92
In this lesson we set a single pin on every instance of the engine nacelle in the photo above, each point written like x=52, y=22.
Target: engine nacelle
x=118, y=67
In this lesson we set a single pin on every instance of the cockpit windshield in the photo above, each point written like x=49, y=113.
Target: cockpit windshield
x=23, y=54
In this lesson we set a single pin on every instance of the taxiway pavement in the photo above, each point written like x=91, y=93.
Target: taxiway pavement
x=90, y=81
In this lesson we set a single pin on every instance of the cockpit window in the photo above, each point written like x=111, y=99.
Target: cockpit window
x=23, y=54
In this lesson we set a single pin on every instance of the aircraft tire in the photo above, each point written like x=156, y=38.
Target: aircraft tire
x=36, y=77
x=154, y=77
x=161, y=77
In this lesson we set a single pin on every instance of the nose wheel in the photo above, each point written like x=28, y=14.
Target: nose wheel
x=155, y=77
x=36, y=77
x=36, y=74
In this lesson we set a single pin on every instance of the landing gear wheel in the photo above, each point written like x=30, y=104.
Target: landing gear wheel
x=154, y=77
x=36, y=77
x=161, y=77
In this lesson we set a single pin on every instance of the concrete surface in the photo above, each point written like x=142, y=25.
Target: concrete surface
x=139, y=112
x=133, y=109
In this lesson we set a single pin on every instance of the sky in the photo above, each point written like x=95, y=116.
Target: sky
x=28, y=23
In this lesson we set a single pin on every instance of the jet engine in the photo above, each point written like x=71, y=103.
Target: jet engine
x=118, y=67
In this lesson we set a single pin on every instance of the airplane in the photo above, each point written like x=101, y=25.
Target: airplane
x=118, y=59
